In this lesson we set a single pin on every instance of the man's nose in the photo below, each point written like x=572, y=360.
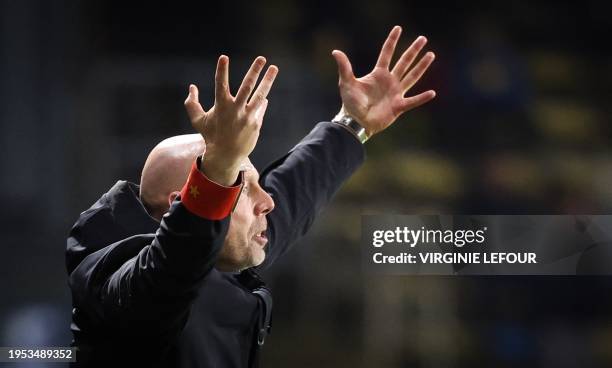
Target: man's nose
x=265, y=203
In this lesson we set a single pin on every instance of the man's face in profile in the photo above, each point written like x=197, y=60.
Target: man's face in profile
x=246, y=238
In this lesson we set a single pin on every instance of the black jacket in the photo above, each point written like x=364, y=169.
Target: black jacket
x=147, y=293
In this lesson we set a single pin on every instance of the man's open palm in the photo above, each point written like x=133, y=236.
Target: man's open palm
x=231, y=127
x=377, y=99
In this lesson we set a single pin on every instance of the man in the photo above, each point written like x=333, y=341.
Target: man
x=154, y=269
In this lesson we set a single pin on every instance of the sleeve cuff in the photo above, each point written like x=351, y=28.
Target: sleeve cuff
x=207, y=199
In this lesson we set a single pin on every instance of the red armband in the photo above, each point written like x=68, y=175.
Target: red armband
x=208, y=199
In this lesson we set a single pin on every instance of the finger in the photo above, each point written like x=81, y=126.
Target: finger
x=192, y=105
x=417, y=72
x=250, y=79
x=222, y=79
x=384, y=59
x=264, y=87
x=410, y=103
x=345, y=70
x=261, y=110
x=407, y=58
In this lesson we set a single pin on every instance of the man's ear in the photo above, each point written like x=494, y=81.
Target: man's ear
x=172, y=196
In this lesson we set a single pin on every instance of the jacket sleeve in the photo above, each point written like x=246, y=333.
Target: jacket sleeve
x=147, y=291
x=304, y=180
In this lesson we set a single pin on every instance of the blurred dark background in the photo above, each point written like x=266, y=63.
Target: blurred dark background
x=521, y=125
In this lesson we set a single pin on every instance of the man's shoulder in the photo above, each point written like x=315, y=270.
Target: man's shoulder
x=117, y=215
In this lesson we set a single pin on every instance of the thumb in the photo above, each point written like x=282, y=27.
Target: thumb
x=192, y=104
x=345, y=70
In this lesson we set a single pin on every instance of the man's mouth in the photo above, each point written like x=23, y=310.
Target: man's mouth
x=261, y=238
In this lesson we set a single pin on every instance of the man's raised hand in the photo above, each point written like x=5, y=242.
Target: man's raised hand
x=231, y=127
x=377, y=99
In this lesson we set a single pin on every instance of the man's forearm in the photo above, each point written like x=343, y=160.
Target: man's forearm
x=305, y=180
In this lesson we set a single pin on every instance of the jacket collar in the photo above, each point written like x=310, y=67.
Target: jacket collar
x=127, y=208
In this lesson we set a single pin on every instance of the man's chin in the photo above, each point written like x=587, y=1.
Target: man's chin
x=258, y=257
x=255, y=259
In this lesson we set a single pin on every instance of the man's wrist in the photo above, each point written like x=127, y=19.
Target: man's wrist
x=350, y=124
x=225, y=175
